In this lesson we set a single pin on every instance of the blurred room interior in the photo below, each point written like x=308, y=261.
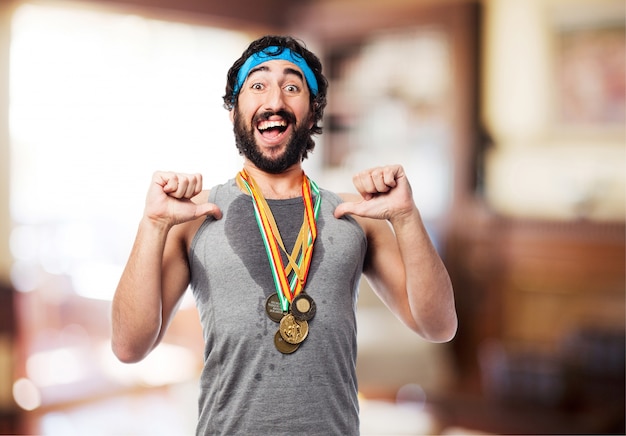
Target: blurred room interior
x=508, y=115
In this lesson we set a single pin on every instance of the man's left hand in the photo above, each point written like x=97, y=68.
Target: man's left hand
x=385, y=194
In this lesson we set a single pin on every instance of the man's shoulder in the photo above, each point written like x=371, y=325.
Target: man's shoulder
x=183, y=233
x=347, y=196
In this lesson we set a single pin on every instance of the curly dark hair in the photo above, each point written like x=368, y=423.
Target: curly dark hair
x=317, y=102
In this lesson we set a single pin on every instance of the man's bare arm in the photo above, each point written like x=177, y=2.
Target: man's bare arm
x=157, y=273
x=402, y=265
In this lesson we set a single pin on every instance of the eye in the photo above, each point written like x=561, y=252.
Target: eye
x=292, y=88
x=257, y=86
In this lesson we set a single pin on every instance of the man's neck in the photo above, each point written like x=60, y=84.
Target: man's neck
x=287, y=184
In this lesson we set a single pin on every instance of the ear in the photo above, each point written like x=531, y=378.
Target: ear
x=231, y=115
x=311, y=120
x=313, y=110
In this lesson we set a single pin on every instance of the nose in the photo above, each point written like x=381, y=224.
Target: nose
x=275, y=101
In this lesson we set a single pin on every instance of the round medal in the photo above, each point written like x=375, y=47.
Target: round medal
x=303, y=307
x=292, y=330
x=273, y=309
x=284, y=346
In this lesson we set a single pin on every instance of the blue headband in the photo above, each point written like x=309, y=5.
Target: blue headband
x=273, y=53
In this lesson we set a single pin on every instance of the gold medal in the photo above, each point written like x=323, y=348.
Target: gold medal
x=284, y=346
x=303, y=307
x=292, y=330
x=273, y=309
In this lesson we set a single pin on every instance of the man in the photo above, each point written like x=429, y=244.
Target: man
x=274, y=262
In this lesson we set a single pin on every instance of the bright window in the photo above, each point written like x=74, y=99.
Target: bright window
x=98, y=102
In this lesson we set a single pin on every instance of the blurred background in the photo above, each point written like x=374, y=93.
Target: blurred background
x=508, y=115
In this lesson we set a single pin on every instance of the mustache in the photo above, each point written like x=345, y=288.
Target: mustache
x=286, y=115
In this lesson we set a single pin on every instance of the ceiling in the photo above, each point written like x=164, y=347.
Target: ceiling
x=268, y=14
x=322, y=18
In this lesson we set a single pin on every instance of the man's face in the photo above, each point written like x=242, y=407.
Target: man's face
x=272, y=117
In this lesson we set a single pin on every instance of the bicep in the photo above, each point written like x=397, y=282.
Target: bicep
x=385, y=271
x=383, y=266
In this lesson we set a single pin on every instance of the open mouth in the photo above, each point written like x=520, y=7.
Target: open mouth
x=271, y=129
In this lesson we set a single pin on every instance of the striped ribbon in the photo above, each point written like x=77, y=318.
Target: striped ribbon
x=299, y=259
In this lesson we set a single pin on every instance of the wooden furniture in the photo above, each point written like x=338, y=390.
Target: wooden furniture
x=541, y=310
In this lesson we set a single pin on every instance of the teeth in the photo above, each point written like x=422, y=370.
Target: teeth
x=264, y=125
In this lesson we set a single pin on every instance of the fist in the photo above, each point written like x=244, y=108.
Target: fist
x=385, y=193
x=170, y=197
x=179, y=185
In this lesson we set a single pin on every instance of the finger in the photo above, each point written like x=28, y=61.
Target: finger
x=209, y=209
x=161, y=178
x=169, y=182
x=364, y=184
x=181, y=188
x=390, y=177
x=342, y=209
x=358, y=208
x=193, y=185
x=181, y=185
x=197, y=185
x=375, y=181
x=378, y=177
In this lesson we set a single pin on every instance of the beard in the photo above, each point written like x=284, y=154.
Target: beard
x=247, y=146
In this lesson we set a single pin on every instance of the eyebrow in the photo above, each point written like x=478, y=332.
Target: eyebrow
x=294, y=72
x=286, y=71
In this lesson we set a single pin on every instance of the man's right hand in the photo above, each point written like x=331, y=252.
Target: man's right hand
x=170, y=199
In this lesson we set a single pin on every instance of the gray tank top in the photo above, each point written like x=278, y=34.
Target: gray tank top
x=247, y=386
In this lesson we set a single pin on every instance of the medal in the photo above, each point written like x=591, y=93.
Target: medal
x=284, y=346
x=292, y=330
x=273, y=309
x=303, y=307
x=289, y=306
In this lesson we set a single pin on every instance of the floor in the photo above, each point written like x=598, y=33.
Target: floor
x=172, y=411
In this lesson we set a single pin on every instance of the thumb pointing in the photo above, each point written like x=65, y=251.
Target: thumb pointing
x=343, y=209
x=209, y=209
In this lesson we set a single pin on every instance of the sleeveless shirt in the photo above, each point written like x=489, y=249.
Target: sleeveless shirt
x=247, y=386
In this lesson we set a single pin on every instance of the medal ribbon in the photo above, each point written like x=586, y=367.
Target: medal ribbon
x=299, y=260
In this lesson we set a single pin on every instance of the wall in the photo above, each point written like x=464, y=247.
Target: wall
x=543, y=165
x=7, y=327
x=5, y=19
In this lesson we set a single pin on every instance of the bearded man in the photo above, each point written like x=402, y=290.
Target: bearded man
x=274, y=262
